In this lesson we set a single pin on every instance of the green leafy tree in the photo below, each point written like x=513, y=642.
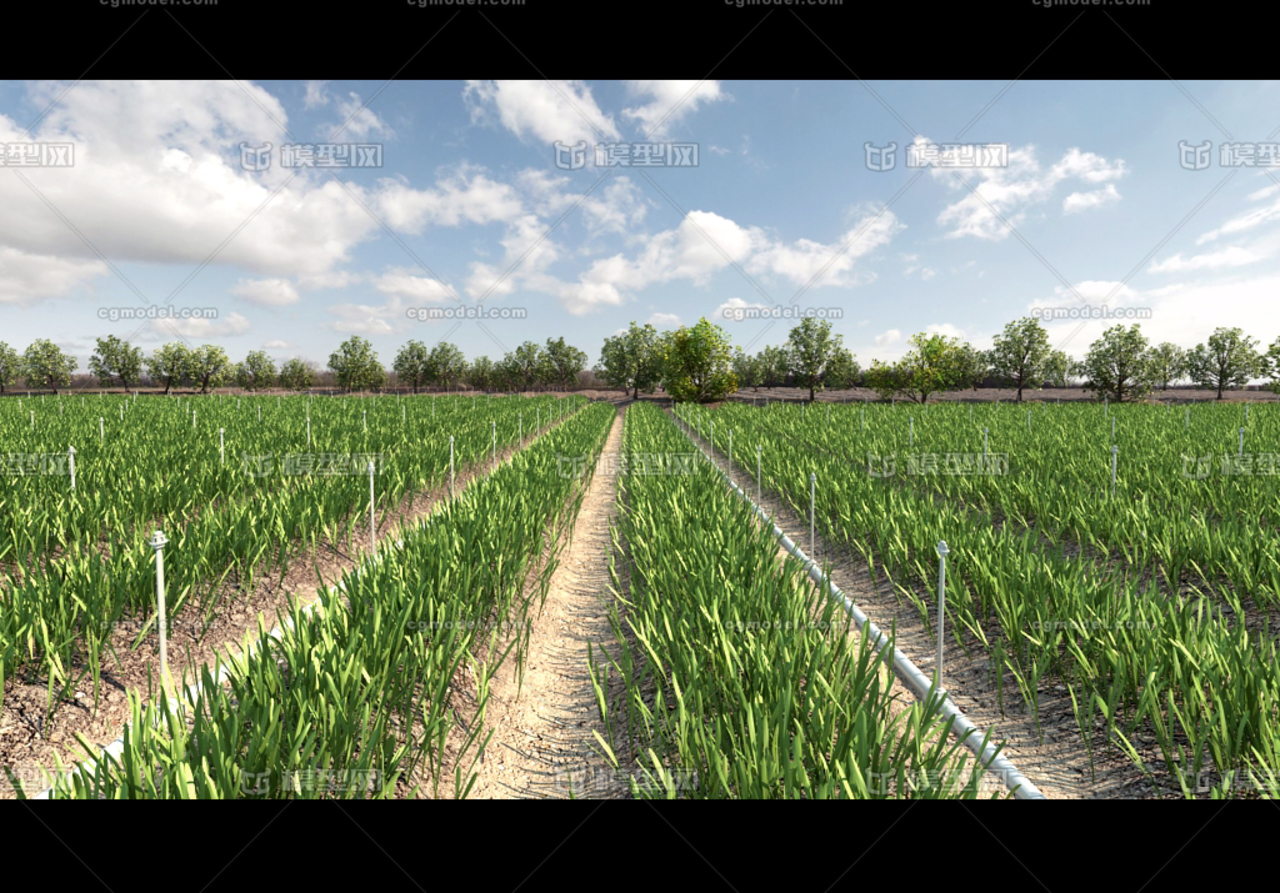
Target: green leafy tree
x=1057, y=369
x=446, y=365
x=169, y=364
x=632, y=360
x=115, y=359
x=483, y=374
x=561, y=363
x=45, y=363
x=774, y=366
x=523, y=365
x=10, y=366
x=1019, y=355
x=972, y=367
x=811, y=346
x=843, y=370
x=208, y=366
x=411, y=365
x=935, y=363
x=1273, y=365
x=698, y=364
x=297, y=375
x=1230, y=360
x=1116, y=364
x=1166, y=363
x=355, y=365
x=746, y=369
x=257, y=372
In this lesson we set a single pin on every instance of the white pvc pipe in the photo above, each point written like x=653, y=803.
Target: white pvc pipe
x=917, y=681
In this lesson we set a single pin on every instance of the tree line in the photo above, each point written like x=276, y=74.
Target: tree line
x=694, y=363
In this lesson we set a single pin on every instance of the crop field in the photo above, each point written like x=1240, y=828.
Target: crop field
x=721, y=669
x=238, y=485
x=1152, y=601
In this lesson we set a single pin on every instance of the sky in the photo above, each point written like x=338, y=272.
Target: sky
x=520, y=200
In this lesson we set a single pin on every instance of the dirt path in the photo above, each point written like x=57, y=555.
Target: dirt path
x=542, y=744
x=1059, y=766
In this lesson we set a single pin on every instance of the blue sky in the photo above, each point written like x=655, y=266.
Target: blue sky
x=782, y=209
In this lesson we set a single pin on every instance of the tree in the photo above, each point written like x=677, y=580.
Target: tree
x=1272, y=360
x=561, y=363
x=810, y=348
x=297, y=374
x=936, y=363
x=1166, y=363
x=1116, y=364
x=355, y=365
x=523, y=365
x=257, y=372
x=116, y=359
x=169, y=364
x=632, y=360
x=1019, y=355
x=483, y=374
x=46, y=364
x=446, y=365
x=746, y=369
x=208, y=366
x=697, y=363
x=843, y=370
x=774, y=366
x=1057, y=369
x=411, y=364
x=10, y=366
x=971, y=367
x=1229, y=361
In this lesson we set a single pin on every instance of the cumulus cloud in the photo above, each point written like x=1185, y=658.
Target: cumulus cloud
x=266, y=292
x=546, y=111
x=1010, y=191
x=670, y=102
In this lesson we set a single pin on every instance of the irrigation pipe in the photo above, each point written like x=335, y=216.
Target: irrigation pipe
x=919, y=683
x=192, y=692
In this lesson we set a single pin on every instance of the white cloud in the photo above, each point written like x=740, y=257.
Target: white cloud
x=316, y=95
x=1009, y=191
x=164, y=329
x=1081, y=201
x=893, y=336
x=1227, y=257
x=664, y=320
x=266, y=292
x=27, y=279
x=276, y=345
x=670, y=102
x=547, y=111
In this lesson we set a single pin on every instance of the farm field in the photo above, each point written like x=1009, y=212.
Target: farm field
x=1152, y=608
x=1141, y=627
x=78, y=614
